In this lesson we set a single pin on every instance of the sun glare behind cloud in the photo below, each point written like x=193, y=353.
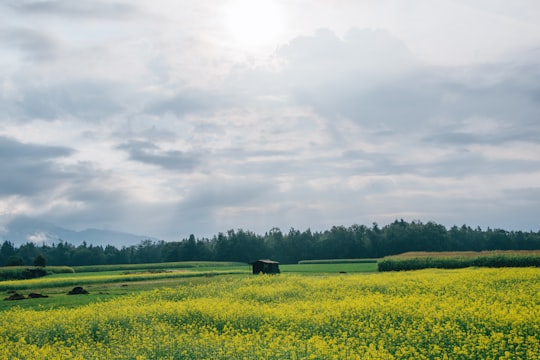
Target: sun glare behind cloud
x=253, y=23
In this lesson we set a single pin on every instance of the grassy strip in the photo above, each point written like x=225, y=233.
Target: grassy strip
x=400, y=263
x=338, y=261
x=329, y=268
x=157, y=266
x=17, y=272
x=109, y=278
x=100, y=292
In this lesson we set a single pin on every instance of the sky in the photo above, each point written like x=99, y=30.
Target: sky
x=170, y=118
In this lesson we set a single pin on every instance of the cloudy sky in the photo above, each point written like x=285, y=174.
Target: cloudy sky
x=167, y=118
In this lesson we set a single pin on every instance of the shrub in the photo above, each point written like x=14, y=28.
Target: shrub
x=32, y=273
x=22, y=272
x=15, y=261
x=40, y=261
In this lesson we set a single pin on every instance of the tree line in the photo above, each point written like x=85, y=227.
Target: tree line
x=340, y=242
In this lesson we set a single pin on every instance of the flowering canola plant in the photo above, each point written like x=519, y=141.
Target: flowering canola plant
x=427, y=314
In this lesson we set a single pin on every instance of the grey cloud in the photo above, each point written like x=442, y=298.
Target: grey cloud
x=528, y=195
x=36, y=45
x=83, y=99
x=457, y=164
x=151, y=134
x=79, y=9
x=179, y=105
x=373, y=163
x=401, y=105
x=460, y=164
x=457, y=137
x=258, y=158
x=507, y=100
x=512, y=209
x=187, y=100
x=372, y=79
x=151, y=154
x=217, y=194
x=369, y=55
x=102, y=205
x=109, y=209
x=319, y=70
x=13, y=150
x=204, y=209
x=29, y=168
x=87, y=196
x=272, y=164
x=369, y=77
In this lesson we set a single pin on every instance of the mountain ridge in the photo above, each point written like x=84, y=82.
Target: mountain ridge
x=22, y=230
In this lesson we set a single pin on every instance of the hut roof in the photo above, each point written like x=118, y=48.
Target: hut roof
x=265, y=261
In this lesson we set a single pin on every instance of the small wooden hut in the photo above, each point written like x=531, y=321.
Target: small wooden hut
x=265, y=267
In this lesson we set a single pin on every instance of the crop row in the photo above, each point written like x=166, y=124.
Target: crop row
x=399, y=263
x=85, y=279
x=21, y=272
x=157, y=266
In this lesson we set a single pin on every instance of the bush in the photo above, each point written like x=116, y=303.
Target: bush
x=40, y=261
x=60, y=270
x=22, y=272
x=11, y=273
x=32, y=273
x=15, y=261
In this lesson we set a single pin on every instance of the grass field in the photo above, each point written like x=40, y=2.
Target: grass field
x=193, y=265
x=310, y=311
x=124, y=279
x=109, y=277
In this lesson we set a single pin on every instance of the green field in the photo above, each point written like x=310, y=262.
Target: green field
x=193, y=265
x=110, y=281
x=309, y=311
x=107, y=282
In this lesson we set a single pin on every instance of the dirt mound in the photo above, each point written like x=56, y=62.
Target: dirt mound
x=37, y=296
x=77, y=290
x=15, y=296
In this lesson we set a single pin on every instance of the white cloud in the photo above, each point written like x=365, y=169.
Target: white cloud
x=38, y=238
x=144, y=117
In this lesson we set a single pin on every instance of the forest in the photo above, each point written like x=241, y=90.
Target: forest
x=340, y=242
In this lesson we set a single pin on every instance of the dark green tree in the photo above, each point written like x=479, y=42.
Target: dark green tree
x=15, y=261
x=7, y=250
x=40, y=261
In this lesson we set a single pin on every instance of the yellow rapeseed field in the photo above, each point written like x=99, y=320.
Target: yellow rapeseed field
x=427, y=314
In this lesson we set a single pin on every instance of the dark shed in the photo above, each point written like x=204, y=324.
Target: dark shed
x=265, y=267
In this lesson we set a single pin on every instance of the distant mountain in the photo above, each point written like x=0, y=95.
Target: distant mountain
x=23, y=230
